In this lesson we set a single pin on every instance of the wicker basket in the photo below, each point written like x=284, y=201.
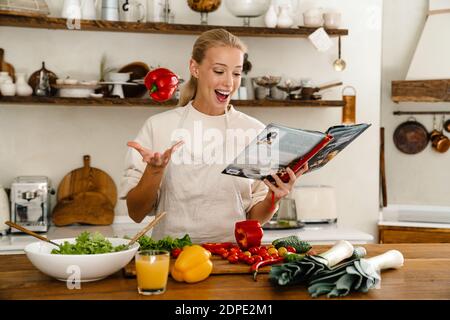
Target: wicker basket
x=24, y=7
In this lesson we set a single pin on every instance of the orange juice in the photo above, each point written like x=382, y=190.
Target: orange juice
x=152, y=270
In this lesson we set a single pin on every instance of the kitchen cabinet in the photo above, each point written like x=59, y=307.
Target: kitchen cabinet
x=424, y=275
x=158, y=28
x=401, y=234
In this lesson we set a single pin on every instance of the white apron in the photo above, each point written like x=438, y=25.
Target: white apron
x=207, y=208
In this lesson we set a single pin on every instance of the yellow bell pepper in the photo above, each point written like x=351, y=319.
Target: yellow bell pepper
x=192, y=265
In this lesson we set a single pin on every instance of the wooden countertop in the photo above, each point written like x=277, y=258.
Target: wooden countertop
x=425, y=275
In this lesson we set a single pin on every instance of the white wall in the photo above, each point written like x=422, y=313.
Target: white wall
x=421, y=179
x=51, y=140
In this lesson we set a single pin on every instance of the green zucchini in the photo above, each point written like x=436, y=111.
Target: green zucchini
x=293, y=241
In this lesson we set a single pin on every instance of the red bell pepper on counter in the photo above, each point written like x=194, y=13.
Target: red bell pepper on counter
x=161, y=83
x=248, y=233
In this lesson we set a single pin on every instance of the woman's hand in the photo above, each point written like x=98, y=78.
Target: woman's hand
x=155, y=159
x=282, y=189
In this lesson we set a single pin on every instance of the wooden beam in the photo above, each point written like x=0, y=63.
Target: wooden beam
x=421, y=91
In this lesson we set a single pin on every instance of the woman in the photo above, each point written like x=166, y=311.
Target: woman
x=186, y=180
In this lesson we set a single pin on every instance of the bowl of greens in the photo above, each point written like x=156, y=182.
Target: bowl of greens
x=88, y=257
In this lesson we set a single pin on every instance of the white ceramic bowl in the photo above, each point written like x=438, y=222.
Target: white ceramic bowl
x=76, y=92
x=119, y=76
x=92, y=267
x=247, y=8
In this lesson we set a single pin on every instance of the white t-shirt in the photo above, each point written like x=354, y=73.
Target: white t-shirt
x=158, y=134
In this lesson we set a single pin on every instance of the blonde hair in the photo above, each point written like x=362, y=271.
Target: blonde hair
x=209, y=39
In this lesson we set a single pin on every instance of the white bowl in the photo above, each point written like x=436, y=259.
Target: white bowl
x=92, y=267
x=119, y=76
x=75, y=92
x=247, y=8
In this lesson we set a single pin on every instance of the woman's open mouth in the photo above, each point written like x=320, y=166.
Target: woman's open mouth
x=222, y=96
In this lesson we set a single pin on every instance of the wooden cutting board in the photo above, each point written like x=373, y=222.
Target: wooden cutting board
x=87, y=179
x=220, y=266
x=86, y=195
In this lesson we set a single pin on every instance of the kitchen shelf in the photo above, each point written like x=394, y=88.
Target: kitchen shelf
x=139, y=102
x=421, y=91
x=160, y=28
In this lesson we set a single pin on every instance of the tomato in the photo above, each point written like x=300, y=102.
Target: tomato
x=242, y=257
x=291, y=249
x=265, y=256
x=257, y=259
x=282, y=251
x=225, y=254
x=275, y=255
x=254, y=250
x=272, y=251
x=175, y=252
x=249, y=260
x=262, y=250
x=233, y=258
x=235, y=250
x=247, y=253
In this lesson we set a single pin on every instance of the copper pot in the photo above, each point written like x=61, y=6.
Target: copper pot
x=411, y=137
x=447, y=125
x=439, y=141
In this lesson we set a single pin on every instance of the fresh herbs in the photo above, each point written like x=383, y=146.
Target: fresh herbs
x=167, y=243
x=87, y=243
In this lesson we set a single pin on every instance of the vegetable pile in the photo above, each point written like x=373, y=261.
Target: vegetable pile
x=87, y=243
x=174, y=246
x=260, y=256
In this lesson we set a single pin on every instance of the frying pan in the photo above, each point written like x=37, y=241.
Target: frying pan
x=411, y=137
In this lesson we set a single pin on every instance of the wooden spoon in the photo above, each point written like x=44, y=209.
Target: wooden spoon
x=31, y=233
x=154, y=222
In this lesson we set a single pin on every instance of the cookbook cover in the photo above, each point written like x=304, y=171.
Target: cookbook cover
x=278, y=147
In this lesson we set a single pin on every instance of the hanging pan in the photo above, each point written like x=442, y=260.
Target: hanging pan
x=411, y=137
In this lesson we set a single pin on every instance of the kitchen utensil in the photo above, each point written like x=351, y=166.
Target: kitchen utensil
x=135, y=12
x=382, y=170
x=284, y=18
x=247, y=9
x=137, y=70
x=29, y=232
x=71, y=9
x=339, y=64
x=315, y=204
x=153, y=223
x=85, y=179
x=349, y=109
x=110, y=10
x=313, y=18
x=75, y=91
x=447, y=125
x=22, y=87
x=4, y=211
x=86, y=267
x=5, y=66
x=411, y=137
x=307, y=92
x=332, y=19
x=268, y=82
x=89, y=9
x=30, y=202
x=285, y=217
x=439, y=141
x=204, y=7
x=39, y=79
x=28, y=8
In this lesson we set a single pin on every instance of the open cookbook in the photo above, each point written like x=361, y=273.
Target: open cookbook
x=278, y=147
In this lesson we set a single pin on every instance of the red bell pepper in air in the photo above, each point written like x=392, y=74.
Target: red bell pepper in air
x=248, y=233
x=161, y=83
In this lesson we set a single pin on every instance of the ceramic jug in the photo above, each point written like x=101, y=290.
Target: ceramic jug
x=22, y=87
x=89, y=9
x=71, y=9
x=284, y=18
x=271, y=18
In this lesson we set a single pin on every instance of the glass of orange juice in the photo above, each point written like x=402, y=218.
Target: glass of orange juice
x=152, y=270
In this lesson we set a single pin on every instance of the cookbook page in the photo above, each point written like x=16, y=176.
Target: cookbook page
x=272, y=150
x=342, y=135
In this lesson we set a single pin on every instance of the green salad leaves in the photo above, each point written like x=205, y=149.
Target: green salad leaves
x=87, y=243
x=167, y=243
